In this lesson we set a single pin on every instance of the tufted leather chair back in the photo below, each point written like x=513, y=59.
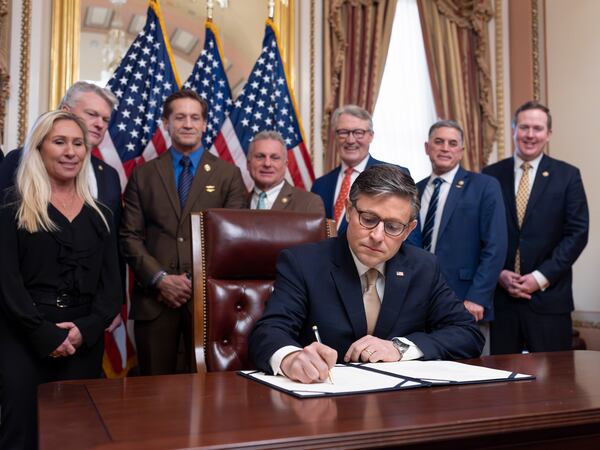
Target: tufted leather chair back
x=234, y=254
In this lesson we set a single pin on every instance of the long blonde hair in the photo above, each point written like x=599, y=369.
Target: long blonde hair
x=33, y=182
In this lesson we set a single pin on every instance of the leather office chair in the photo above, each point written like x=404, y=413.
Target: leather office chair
x=234, y=254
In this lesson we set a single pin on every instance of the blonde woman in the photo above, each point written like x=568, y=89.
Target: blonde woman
x=60, y=283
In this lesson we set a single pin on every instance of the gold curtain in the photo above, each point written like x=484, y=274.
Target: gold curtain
x=457, y=45
x=4, y=59
x=357, y=37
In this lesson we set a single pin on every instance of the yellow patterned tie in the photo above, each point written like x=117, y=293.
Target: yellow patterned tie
x=522, y=199
x=371, y=300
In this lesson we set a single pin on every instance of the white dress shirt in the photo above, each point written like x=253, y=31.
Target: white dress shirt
x=269, y=199
x=448, y=179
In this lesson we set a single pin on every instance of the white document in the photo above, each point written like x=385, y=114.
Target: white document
x=446, y=372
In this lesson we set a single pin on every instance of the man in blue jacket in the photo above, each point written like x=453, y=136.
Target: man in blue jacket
x=353, y=130
x=463, y=223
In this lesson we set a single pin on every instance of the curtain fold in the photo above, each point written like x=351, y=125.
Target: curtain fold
x=356, y=43
x=456, y=41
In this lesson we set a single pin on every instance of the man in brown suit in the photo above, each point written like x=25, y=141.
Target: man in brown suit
x=267, y=162
x=155, y=230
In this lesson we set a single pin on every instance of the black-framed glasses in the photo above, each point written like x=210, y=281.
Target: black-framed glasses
x=358, y=133
x=369, y=221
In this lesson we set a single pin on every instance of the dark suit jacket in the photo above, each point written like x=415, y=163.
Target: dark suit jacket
x=155, y=232
x=325, y=187
x=107, y=180
x=318, y=284
x=553, y=234
x=471, y=242
x=291, y=198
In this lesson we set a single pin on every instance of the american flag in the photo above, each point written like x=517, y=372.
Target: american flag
x=144, y=78
x=266, y=103
x=209, y=80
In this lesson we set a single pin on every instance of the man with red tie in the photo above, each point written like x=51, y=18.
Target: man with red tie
x=353, y=130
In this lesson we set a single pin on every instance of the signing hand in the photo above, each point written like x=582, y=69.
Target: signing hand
x=474, y=309
x=309, y=365
x=74, y=336
x=175, y=290
x=371, y=349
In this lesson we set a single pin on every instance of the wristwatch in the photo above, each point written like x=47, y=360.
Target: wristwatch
x=400, y=346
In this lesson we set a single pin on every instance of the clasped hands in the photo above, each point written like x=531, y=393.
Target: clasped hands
x=175, y=290
x=71, y=343
x=518, y=286
x=312, y=363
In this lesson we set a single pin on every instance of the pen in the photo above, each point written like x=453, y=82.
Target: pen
x=318, y=338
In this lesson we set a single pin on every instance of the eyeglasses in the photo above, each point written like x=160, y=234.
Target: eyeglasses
x=369, y=221
x=358, y=133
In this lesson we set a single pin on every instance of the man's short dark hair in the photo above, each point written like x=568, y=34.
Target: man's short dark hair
x=532, y=104
x=447, y=124
x=386, y=179
x=184, y=93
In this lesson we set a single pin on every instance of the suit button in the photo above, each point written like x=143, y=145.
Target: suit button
x=180, y=239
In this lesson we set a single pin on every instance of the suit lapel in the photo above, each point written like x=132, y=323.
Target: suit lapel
x=347, y=282
x=397, y=279
x=459, y=183
x=329, y=190
x=284, y=198
x=507, y=183
x=166, y=173
x=542, y=178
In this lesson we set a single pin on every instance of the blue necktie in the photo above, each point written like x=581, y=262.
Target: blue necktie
x=185, y=180
x=430, y=217
x=262, y=197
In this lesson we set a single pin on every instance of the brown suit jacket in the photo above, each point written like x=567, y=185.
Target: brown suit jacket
x=155, y=232
x=291, y=198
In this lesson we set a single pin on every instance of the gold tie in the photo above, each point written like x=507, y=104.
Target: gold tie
x=371, y=300
x=522, y=199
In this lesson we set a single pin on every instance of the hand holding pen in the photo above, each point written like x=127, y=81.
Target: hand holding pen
x=311, y=364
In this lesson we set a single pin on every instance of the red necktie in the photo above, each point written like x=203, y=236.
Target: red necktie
x=344, y=191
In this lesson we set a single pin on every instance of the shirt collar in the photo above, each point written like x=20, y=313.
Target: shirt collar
x=275, y=188
x=360, y=167
x=448, y=177
x=194, y=156
x=362, y=269
x=534, y=163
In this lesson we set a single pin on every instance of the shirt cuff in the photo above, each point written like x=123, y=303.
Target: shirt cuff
x=278, y=356
x=413, y=351
x=542, y=281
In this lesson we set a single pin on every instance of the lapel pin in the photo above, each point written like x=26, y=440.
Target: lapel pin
x=399, y=274
x=545, y=173
x=284, y=200
x=460, y=184
x=210, y=188
x=207, y=168
x=100, y=167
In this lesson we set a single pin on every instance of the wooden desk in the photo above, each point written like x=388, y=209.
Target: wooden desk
x=224, y=410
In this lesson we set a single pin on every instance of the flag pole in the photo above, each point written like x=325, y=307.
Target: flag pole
x=271, y=9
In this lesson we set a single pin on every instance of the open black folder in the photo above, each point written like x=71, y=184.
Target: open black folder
x=380, y=377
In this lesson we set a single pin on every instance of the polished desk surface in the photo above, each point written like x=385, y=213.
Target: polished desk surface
x=225, y=410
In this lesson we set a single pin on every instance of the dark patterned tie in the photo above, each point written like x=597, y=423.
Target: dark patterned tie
x=185, y=180
x=430, y=217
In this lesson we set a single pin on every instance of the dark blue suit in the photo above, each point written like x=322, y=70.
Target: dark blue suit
x=471, y=242
x=325, y=187
x=107, y=179
x=553, y=235
x=318, y=284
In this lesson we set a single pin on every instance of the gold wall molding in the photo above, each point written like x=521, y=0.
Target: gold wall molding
x=4, y=63
x=499, y=45
x=312, y=112
x=64, y=48
x=535, y=49
x=24, y=71
x=285, y=20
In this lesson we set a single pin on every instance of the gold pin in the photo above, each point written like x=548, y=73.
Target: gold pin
x=460, y=184
x=545, y=173
x=399, y=274
x=284, y=200
x=207, y=168
x=210, y=188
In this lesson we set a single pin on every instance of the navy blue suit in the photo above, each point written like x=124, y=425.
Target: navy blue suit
x=553, y=235
x=471, y=241
x=107, y=179
x=325, y=187
x=318, y=284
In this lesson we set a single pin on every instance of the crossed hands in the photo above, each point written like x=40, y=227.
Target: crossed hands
x=175, y=290
x=518, y=286
x=313, y=362
x=71, y=343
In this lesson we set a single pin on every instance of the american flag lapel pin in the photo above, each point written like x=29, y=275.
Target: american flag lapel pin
x=545, y=173
x=399, y=274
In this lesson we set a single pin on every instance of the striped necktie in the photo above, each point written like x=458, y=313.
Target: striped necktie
x=185, y=180
x=430, y=217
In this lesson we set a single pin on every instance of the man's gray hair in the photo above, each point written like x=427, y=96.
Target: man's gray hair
x=72, y=95
x=270, y=135
x=351, y=110
x=447, y=124
x=386, y=179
